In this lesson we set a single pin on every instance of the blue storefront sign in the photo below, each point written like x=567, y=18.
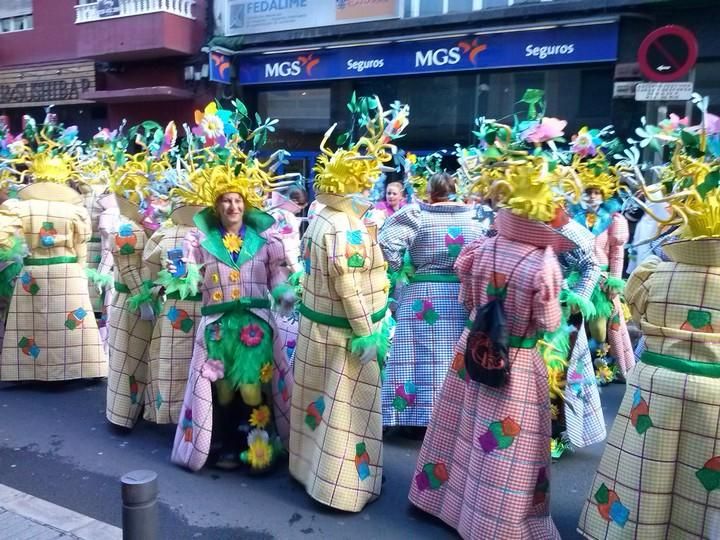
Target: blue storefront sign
x=220, y=68
x=531, y=48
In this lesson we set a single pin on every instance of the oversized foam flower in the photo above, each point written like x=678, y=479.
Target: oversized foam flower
x=251, y=335
x=266, y=373
x=584, y=144
x=210, y=126
x=260, y=417
x=212, y=370
x=259, y=452
x=711, y=123
x=548, y=129
x=232, y=243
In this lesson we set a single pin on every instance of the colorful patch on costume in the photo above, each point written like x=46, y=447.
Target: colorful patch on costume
x=424, y=311
x=29, y=283
x=497, y=287
x=362, y=461
x=500, y=435
x=180, y=319
x=158, y=400
x=314, y=413
x=282, y=386
x=355, y=249
x=290, y=348
x=215, y=332
x=615, y=322
x=640, y=413
x=709, y=475
x=75, y=318
x=432, y=476
x=307, y=262
x=454, y=241
x=187, y=425
x=698, y=321
x=405, y=395
x=29, y=347
x=133, y=390
x=542, y=486
x=576, y=379
x=47, y=234
x=126, y=239
x=251, y=335
x=610, y=507
x=458, y=364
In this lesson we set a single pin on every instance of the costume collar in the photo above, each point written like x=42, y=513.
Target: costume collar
x=353, y=204
x=255, y=222
x=697, y=252
x=528, y=231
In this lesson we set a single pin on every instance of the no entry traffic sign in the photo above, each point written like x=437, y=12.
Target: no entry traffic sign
x=668, y=53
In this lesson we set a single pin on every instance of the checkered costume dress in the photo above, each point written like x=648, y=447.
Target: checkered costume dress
x=129, y=334
x=484, y=466
x=51, y=334
x=429, y=317
x=171, y=345
x=12, y=249
x=336, y=417
x=259, y=269
x=659, y=474
x=94, y=251
x=107, y=225
x=584, y=421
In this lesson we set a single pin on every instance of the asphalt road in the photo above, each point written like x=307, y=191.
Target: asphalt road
x=55, y=444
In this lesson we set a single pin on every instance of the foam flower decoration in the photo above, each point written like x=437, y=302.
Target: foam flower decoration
x=210, y=126
x=232, y=242
x=212, y=370
x=259, y=453
x=546, y=130
x=584, y=144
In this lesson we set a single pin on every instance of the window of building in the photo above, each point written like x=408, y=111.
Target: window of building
x=15, y=15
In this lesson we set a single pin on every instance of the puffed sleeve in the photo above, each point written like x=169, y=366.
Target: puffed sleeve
x=127, y=252
x=463, y=267
x=638, y=284
x=287, y=229
x=153, y=253
x=82, y=231
x=277, y=270
x=348, y=257
x=547, y=284
x=398, y=234
x=618, y=235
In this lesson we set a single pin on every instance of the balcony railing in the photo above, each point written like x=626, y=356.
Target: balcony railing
x=98, y=11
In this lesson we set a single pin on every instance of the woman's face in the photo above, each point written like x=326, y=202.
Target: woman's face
x=393, y=194
x=230, y=208
x=594, y=198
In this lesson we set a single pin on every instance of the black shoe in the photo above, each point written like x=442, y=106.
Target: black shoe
x=227, y=461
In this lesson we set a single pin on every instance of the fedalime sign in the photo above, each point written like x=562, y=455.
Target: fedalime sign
x=596, y=43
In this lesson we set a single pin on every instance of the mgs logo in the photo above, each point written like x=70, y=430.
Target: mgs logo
x=292, y=69
x=450, y=56
x=472, y=49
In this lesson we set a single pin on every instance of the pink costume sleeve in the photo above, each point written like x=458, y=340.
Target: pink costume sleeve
x=548, y=283
x=618, y=235
x=464, y=270
x=192, y=251
x=277, y=267
x=345, y=279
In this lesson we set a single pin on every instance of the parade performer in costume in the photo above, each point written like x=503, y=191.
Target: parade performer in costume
x=131, y=312
x=51, y=334
x=600, y=214
x=484, y=466
x=659, y=474
x=429, y=318
x=12, y=251
x=237, y=400
x=394, y=197
x=336, y=436
x=171, y=345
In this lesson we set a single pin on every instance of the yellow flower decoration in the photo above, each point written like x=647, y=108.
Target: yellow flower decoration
x=235, y=294
x=260, y=417
x=233, y=243
x=266, y=373
x=217, y=295
x=234, y=275
x=259, y=454
x=554, y=412
x=596, y=173
x=215, y=278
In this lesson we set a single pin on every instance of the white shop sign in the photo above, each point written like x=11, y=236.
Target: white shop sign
x=671, y=91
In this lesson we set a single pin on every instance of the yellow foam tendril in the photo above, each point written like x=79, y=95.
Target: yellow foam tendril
x=595, y=173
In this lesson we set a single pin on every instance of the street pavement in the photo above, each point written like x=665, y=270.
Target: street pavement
x=56, y=444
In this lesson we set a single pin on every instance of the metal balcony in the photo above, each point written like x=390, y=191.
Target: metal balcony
x=85, y=13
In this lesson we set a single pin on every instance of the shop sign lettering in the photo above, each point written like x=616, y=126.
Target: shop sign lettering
x=52, y=91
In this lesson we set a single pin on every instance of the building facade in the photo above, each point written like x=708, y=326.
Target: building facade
x=100, y=62
x=452, y=61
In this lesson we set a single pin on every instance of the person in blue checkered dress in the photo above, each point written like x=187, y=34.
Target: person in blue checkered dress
x=430, y=319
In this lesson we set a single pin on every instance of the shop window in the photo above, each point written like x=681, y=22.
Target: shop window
x=304, y=113
x=459, y=6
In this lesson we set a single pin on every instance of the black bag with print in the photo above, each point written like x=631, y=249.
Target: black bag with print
x=486, y=353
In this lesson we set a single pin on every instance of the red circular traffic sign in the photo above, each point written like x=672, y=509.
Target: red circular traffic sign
x=668, y=53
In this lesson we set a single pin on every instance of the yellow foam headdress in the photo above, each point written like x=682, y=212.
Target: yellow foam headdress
x=356, y=168
x=241, y=173
x=130, y=180
x=528, y=185
x=596, y=173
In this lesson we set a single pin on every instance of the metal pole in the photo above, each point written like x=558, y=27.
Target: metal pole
x=139, y=512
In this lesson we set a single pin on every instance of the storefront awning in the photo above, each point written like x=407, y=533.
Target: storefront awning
x=145, y=93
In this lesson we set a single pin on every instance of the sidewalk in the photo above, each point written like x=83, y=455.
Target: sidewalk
x=24, y=517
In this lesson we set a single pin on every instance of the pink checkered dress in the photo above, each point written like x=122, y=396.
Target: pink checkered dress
x=484, y=466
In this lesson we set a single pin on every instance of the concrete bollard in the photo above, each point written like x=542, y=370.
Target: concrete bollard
x=139, y=512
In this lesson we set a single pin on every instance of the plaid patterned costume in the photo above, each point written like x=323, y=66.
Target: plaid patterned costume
x=171, y=345
x=484, y=466
x=659, y=474
x=584, y=421
x=129, y=335
x=260, y=268
x=94, y=255
x=107, y=225
x=51, y=334
x=336, y=417
x=429, y=317
x=11, y=232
